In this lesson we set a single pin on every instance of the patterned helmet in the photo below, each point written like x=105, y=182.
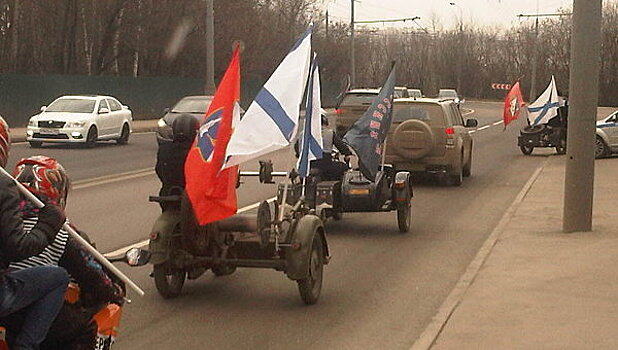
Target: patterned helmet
x=5, y=142
x=44, y=177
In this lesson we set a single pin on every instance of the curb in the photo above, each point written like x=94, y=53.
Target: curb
x=431, y=333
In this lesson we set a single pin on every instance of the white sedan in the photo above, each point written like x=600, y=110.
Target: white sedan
x=606, y=141
x=81, y=119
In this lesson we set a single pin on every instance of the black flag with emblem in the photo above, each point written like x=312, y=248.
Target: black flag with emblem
x=367, y=135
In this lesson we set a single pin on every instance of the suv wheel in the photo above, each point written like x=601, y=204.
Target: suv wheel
x=467, y=169
x=456, y=177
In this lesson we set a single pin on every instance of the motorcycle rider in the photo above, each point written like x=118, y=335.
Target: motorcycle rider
x=329, y=169
x=36, y=293
x=171, y=156
x=73, y=329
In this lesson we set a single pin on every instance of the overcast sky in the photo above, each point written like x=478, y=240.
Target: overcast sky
x=480, y=12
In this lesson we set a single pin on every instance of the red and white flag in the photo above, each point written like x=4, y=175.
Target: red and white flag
x=212, y=191
x=513, y=104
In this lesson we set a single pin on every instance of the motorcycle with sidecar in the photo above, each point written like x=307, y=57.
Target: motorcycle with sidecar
x=552, y=134
x=354, y=193
x=287, y=238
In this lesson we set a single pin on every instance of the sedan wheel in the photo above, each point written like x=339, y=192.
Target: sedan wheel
x=124, y=135
x=91, y=139
x=600, y=149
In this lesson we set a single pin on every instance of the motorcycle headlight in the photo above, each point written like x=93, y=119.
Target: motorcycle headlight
x=75, y=124
x=161, y=123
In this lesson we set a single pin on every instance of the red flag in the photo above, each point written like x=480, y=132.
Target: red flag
x=212, y=191
x=513, y=104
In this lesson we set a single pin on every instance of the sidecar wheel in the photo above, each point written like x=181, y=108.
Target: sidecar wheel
x=311, y=286
x=168, y=281
x=527, y=150
x=404, y=217
x=223, y=270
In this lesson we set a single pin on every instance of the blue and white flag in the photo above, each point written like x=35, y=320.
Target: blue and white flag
x=271, y=120
x=546, y=106
x=311, y=140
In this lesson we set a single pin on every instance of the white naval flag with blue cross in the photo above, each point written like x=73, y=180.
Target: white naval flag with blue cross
x=546, y=106
x=271, y=121
x=311, y=139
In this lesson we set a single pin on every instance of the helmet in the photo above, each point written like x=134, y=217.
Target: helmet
x=5, y=142
x=184, y=128
x=44, y=177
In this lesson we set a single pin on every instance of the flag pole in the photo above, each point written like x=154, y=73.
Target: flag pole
x=100, y=258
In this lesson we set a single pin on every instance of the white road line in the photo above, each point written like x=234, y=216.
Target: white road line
x=145, y=242
x=498, y=122
x=471, y=131
x=483, y=128
x=60, y=143
x=470, y=111
x=427, y=339
x=102, y=180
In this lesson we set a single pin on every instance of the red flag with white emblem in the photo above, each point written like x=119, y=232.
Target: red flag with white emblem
x=212, y=191
x=513, y=104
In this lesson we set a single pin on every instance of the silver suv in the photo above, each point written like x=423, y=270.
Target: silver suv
x=430, y=135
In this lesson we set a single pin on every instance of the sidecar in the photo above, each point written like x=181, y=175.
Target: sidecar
x=355, y=193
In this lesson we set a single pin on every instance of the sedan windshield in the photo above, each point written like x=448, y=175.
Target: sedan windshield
x=193, y=105
x=71, y=105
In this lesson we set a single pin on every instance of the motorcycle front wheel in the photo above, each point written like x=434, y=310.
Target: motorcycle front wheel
x=169, y=281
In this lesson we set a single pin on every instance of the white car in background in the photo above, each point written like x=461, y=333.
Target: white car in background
x=82, y=119
x=606, y=141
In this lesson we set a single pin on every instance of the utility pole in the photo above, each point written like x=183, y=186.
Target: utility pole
x=210, y=87
x=327, y=25
x=535, y=51
x=352, y=59
x=583, y=98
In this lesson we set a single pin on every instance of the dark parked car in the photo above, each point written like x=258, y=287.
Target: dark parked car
x=194, y=105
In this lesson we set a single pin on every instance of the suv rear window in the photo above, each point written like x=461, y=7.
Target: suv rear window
x=358, y=99
x=427, y=112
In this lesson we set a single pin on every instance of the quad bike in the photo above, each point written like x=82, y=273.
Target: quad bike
x=108, y=317
x=291, y=240
x=355, y=193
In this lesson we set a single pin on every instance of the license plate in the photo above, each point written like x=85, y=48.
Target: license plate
x=50, y=131
x=358, y=191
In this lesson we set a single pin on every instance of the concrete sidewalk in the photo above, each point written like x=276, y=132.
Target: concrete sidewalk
x=540, y=288
x=19, y=134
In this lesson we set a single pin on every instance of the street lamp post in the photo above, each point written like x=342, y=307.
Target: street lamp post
x=459, y=63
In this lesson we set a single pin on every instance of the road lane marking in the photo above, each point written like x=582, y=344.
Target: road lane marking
x=470, y=111
x=498, y=122
x=144, y=243
x=471, y=131
x=60, y=143
x=107, y=179
x=483, y=127
x=427, y=339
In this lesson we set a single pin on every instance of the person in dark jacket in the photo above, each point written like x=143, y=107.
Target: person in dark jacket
x=37, y=293
x=331, y=170
x=171, y=156
x=74, y=328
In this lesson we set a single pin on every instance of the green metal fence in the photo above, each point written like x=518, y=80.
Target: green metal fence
x=21, y=96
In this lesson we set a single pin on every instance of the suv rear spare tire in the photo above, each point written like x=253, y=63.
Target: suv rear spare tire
x=413, y=139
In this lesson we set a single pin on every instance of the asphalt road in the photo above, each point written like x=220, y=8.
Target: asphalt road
x=380, y=289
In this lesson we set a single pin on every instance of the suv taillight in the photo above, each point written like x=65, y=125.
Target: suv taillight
x=339, y=111
x=449, y=131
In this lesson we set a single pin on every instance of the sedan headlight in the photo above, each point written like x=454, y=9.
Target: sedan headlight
x=161, y=123
x=75, y=124
x=32, y=122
